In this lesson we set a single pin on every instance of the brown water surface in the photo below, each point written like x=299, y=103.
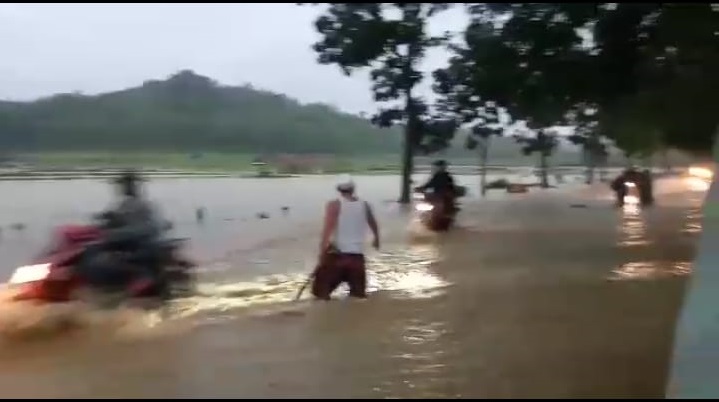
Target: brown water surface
x=529, y=297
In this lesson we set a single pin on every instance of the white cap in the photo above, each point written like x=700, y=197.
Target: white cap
x=345, y=183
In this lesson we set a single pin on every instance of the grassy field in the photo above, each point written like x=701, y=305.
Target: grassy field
x=217, y=161
x=211, y=162
x=230, y=163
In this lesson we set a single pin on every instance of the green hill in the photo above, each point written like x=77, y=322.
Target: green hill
x=187, y=112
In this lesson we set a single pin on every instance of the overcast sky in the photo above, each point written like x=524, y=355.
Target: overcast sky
x=92, y=48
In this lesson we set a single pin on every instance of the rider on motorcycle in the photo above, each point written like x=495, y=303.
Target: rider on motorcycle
x=442, y=185
x=133, y=228
x=619, y=185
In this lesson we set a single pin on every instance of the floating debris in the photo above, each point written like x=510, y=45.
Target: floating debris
x=200, y=214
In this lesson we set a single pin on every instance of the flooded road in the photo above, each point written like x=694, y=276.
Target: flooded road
x=529, y=297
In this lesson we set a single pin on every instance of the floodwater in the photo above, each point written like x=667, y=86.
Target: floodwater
x=548, y=294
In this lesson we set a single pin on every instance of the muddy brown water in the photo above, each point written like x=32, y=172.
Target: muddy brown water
x=529, y=297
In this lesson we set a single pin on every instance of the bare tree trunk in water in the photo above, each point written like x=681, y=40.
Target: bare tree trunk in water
x=667, y=162
x=590, y=175
x=408, y=151
x=543, y=167
x=407, y=159
x=591, y=166
x=484, y=154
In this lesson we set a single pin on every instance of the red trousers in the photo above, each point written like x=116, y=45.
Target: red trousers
x=337, y=268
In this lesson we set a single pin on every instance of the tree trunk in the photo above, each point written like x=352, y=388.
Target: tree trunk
x=543, y=167
x=410, y=120
x=483, y=156
x=603, y=163
x=408, y=149
x=407, y=159
x=666, y=161
x=591, y=165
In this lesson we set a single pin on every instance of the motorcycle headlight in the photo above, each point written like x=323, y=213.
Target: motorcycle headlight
x=30, y=273
x=631, y=199
x=701, y=172
x=423, y=207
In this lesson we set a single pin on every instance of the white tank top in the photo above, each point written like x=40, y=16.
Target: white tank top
x=351, y=227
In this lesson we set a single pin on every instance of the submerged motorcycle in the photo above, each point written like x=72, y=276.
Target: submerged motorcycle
x=54, y=277
x=434, y=212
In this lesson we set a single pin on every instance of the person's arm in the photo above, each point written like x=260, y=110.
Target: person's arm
x=372, y=222
x=450, y=181
x=330, y=224
x=431, y=183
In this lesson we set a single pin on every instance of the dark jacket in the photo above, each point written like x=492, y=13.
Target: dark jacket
x=440, y=182
x=135, y=220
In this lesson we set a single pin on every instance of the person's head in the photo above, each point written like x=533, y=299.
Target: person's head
x=439, y=165
x=345, y=185
x=128, y=184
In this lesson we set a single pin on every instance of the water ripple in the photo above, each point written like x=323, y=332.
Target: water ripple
x=633, y=230
x=403, y=273
x=648, y=270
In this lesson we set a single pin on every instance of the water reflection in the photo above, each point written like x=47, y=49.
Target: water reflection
x=698, y=184
x=633, y=229
x=692, y=224
x=407, y=273
x=650, y=270
x=404, y=273
x=24, y=321
x=420, y=361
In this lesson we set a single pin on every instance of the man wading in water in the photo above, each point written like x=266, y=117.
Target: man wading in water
x=342, y=259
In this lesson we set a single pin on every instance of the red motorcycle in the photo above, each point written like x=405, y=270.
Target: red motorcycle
x=53, y=277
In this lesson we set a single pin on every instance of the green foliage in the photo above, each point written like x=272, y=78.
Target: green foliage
x=543, y=143
x=485, y=126
x=358, y=35
x=650, y=69
x=187, y=112
x=587, y=135
x=658, y=80
x=655, y=74
x=528, y=65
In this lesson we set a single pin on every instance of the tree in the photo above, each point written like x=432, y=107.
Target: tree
x=368, y=35
x=650, y=68
x=654, y=68
x=524, y=65
x=480, y=138
x=586, y=134
x=543, y=143
x=463, y=88
x=663, y=58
